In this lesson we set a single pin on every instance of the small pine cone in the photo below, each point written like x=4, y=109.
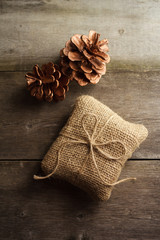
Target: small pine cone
x=47, y=83
x=84, y=58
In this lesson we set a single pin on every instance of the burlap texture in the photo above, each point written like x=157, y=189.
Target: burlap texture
x=73, y=155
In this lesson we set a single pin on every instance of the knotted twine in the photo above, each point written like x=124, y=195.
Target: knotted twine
x=90, y=141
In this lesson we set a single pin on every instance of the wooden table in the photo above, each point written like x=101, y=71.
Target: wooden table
x=34, y=32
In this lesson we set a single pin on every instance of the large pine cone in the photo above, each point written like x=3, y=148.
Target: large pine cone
x=47, y=83
x=84, y=58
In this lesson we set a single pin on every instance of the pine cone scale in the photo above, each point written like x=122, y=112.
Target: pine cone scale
x=86, y=41
x=75, y=56
x=86, y=67
x=93, y=37
x=100, y=71
x=78, y=42
x=92, y=76
x=97, y=63
x=48, y=80
x=37, y=71
x=74, y=66
x=57, y=74
x=103, y=45
x=103, y=56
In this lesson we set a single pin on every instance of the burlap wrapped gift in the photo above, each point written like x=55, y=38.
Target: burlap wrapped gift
x=92, y=148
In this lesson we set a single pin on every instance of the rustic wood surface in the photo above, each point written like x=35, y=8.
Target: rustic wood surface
x=51, y=210
x=34, y=32
x=25, y=122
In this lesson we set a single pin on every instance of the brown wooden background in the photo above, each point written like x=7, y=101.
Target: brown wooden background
x=33, y=32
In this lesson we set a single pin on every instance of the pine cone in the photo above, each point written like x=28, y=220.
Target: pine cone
x=84, y=58
x=47, y=83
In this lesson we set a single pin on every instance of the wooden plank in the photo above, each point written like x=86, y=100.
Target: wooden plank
x=34, y=31
x=50, y=210
x=28, y=127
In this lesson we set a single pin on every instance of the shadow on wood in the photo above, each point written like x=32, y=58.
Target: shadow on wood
x=50, y=210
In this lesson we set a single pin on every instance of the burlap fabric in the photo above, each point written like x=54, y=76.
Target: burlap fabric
x=92, y=148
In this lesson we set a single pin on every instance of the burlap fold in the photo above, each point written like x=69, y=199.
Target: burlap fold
x=92, y=148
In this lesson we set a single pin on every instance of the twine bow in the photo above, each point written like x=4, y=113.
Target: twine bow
x=90, y=141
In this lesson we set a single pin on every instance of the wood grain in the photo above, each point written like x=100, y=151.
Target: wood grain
x=34, y=31
x=28, y=127
x=55, y=210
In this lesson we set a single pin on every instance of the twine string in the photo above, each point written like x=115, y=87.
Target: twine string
x=90, y=141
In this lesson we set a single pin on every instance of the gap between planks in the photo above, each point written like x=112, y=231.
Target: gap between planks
x=39, y=160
